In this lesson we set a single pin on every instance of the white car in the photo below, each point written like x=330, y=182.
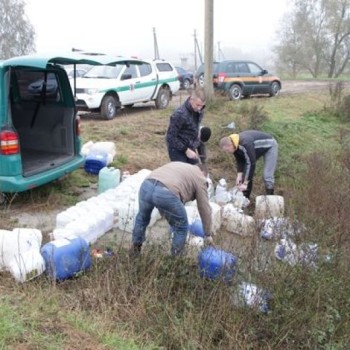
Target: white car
x=107, y=88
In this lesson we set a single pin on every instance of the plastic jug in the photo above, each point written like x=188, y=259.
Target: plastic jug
x=95, y=162
x=66, y=257
x=217, y=264
x=196, y=228
x=210, y=187
x=27, y=266
x=238, y=199
x=108, y=178
x=222, y=195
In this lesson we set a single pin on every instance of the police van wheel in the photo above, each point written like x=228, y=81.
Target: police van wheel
x=163, y=98
x=109, y=107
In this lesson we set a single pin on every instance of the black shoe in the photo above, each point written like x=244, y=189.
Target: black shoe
x=135, y=250
x=269, y=191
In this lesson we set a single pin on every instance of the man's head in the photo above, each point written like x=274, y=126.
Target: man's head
x=229, y=143
x=197, y=100
x=204, y=134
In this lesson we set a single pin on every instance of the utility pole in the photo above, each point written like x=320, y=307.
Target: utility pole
x=208, y=48
x=196, y=49
x=156, y=52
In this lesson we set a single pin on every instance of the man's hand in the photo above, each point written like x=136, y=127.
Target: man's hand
x=242, y=187
x=239, y=179
x=191, y=154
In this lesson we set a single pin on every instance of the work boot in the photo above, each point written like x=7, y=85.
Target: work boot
x=135, y=250
x=269, y=191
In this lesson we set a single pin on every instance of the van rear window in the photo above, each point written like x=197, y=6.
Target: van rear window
x=33, y=85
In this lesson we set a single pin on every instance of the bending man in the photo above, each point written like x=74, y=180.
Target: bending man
x=168, y=188
x=247, y=147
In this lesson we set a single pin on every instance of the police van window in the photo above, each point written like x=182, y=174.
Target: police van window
x=164, y=67
x=131, y=71
x=145, y=69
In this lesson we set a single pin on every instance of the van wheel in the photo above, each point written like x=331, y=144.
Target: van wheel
x=109, y=107
x=2, y=198
x=163, y=98
x=235, y=92
x=275, y=89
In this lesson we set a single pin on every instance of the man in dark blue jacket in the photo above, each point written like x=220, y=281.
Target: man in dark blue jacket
x=247, y=147
x=183, y=134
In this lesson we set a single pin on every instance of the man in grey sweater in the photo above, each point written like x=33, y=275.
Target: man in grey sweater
x=169, y=188
x=247, y=147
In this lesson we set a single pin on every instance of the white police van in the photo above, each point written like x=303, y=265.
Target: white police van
x=105, y=89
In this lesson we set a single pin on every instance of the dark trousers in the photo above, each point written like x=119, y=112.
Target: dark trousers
x=180, y=156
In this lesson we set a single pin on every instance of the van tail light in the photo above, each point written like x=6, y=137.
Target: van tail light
x=77, y=125
x=9, y=143
x=221, y=77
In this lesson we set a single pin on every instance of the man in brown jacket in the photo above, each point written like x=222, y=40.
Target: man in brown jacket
x=169, y=188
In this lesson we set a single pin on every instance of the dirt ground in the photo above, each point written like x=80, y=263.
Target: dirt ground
x=297, y=86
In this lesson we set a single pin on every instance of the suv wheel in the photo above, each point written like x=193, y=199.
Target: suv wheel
x=201, y=80
x=275, y=89
x=235, y=92
x=109, y=107
x=163, y=98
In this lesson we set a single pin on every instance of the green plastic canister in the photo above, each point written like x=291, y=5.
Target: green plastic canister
x=108, y=178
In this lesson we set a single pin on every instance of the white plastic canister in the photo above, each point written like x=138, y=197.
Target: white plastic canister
x=27, y=266
x=269, y=207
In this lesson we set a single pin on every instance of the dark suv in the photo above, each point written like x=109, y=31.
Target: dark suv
x=244, y=78
x=199, y=74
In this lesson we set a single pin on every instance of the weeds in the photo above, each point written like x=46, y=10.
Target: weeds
x=339, y=104
x=163, y=303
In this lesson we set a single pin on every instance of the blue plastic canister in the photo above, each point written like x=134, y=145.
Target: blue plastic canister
x=217, y=264
x=196, y=228
x=95, y=162
x=108, y=178
x=65, y=257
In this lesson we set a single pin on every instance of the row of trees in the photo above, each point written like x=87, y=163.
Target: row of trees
x=17, y=35
x=315, y=37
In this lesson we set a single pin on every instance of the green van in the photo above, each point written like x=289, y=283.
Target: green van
x=39, y=125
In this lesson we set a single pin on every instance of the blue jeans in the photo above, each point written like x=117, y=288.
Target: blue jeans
x=180, y=156
x=154, y=194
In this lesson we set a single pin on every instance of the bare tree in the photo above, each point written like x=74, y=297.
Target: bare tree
x=290, y=50
x=315, y=37
x=16, y=33
x=337, y=53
